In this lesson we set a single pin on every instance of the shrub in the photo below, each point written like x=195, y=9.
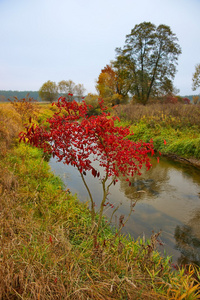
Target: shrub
x=10, y=126
x=26, y=107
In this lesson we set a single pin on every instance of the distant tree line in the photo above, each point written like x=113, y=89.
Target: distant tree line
x=49, y=91
x=5, y=95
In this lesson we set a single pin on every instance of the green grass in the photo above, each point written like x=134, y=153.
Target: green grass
x=48, y=251
x=178, y=125
x=185, y=143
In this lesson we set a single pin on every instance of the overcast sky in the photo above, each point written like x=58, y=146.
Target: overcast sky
x=74, y=39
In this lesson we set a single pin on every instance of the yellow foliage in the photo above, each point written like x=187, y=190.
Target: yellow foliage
x=10, y=126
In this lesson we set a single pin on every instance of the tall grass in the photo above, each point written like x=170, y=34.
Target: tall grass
x=177, y=124
x=47, y=251
x=174, y=115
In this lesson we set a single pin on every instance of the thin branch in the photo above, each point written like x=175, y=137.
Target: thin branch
x=90, y=195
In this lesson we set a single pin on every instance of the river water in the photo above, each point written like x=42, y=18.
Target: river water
x=167, y=198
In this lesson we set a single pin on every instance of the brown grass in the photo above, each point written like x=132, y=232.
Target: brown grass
x=187, y=114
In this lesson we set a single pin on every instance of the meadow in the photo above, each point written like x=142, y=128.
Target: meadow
x=176, y=124
x=47, y=250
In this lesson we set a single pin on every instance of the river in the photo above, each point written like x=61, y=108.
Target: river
x=168, y=199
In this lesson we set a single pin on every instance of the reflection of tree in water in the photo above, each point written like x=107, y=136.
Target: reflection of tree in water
x=148, y=184
x=188, y=241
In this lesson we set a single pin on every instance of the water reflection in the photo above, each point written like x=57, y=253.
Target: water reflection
x=188, y=240
x=167, y=199
x=148, y=185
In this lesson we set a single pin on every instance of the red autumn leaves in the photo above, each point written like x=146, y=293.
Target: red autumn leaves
x=77, y=139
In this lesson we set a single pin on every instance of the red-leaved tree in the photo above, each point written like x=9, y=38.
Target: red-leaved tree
x=78, y=139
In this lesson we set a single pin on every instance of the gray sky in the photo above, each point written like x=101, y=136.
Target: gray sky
x=74, y=39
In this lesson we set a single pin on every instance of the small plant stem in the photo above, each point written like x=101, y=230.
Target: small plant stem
x=114, y=211
x=105, y=193
x=131, y=209
x=91, y=199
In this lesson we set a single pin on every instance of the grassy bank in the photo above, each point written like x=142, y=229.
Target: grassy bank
x=47, y=250
x=177, y=124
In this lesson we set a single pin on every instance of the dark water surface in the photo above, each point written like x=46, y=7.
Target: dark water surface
x=168, y=199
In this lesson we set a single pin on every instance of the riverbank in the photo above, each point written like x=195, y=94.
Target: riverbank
x=48, y=252
x=192, y=161
x=47, y=248
x=174, y=128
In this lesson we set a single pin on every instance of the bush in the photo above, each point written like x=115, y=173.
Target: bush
x=10, y=126
x=26, y=107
